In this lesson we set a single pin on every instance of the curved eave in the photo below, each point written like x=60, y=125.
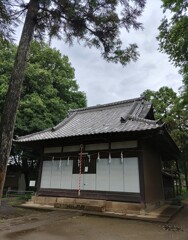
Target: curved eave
x=88, y=136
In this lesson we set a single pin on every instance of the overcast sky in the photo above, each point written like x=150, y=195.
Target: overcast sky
x=108, y=82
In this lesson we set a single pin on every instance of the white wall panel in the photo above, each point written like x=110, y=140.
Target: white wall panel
x=116, y=175
x=131, y=175
x=66, y=177
x=103, y=175
x=56, y=174
x=46, y=175
x=89, y=181
x=75, y=181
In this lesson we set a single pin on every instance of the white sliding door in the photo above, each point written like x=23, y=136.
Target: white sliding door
x=56, y=174
x=103, y=175
x=66, y=177
x=46, y=174
x=89, y=181
x=116, y=175
x=131, y=175
x=119, y=175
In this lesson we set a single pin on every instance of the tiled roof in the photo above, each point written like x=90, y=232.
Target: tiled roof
x=123, y=116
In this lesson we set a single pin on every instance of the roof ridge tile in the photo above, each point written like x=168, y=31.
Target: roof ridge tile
x=107, y=104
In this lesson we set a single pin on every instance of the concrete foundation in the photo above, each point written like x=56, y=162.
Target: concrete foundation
x=90, y=204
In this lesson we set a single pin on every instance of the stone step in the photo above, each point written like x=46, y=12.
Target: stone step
x=80, y=207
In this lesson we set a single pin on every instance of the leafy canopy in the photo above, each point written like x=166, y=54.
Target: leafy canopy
x=173, y=36
x=6, y=19
x=170, y=108
x=49, y=89
x=95, y=22
x=173, y=40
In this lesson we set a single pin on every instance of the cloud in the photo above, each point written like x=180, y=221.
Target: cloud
x=106, y=82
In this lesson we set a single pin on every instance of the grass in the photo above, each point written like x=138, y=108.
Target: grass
x=25, y=197
x=17, y=200
x=177, y=200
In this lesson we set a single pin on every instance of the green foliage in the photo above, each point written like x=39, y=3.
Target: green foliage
x=49, y=89
x=164, y=101
x=16, y=199
x=174, y=32
x=173, y=36
x=24, y=197
x=173, y=40
x=170, y=108
x=97, y=23
x=48, y=92
x=178, y=199
x=6, y=19
x=7, y=52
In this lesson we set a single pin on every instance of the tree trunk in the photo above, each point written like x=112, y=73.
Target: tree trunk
x=14, y=90
x=185, y=172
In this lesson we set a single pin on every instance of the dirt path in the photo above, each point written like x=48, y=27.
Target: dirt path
x=67, y=225
x=7, y=209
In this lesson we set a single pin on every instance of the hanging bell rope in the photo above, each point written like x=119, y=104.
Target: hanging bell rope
x=80, y=173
